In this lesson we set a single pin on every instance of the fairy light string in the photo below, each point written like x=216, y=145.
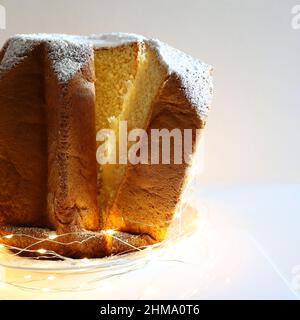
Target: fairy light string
x=113, y=266
x=54, y=238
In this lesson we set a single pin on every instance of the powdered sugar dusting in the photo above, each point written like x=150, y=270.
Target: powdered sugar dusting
x=113, y=39
x=69, y=53
x=16, y=51
x=68, y=57
x=194, y=74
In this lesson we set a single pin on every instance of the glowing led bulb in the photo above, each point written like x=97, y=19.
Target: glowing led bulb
x=8, y=236
x=51, y=278
x=46, y=289
x=28, y=277
x=110, y=232
x=52, y=236
x=41, y=251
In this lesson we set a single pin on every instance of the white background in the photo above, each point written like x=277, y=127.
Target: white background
x=252, y=134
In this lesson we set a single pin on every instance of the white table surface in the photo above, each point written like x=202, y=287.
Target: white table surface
x=247, y=247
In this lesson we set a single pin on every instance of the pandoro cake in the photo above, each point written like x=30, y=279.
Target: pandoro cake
x=56, y=93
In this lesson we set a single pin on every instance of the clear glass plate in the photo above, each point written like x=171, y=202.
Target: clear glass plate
x=86, y=274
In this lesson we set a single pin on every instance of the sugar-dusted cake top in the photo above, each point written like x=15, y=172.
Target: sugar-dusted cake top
x=69, y=53
x=194, y=74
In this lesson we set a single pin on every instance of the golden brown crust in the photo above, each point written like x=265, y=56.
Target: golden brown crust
x=47, y=152
x=23, y=144
x=148, y=196
x=72, y=170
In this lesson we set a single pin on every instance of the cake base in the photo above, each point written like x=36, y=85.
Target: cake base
x=79, y=244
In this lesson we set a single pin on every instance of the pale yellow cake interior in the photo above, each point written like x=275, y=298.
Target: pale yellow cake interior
x=128, y=78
